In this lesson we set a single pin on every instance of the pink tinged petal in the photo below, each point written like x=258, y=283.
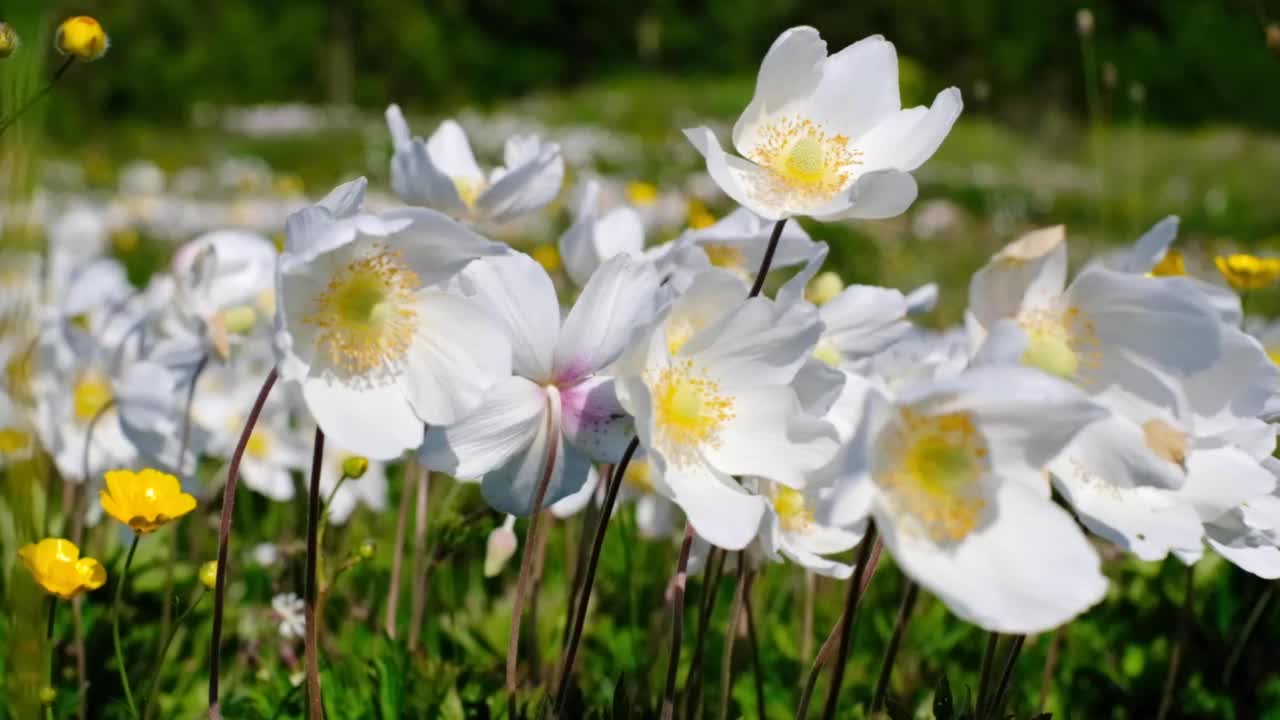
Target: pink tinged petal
x=875, y=195
x=767, y=436
x=501, y=427
x=458, y=353
x=594, y=421
x=735, y=176
x=718, y=508
x=518, y=293
x=1028, y=570
x=615, y=303
x=859, y=88
x=512, y=487
x=789, y=73
x=376, y=422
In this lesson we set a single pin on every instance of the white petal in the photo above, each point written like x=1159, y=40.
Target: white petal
x=1029, y=570
x=863, y=320
x=272, y=481
x=503, y=425
x=511, y=488
x=750, y=347
x=1149, y=522
x=790, y=72
x=518, y=293
x=907, y=138
x=718, y=508
x=435, y=246
x=526, y=187
x=1251, y=551
x=873, y=196
x=735, y=175
x=593, y=419
x=1151, y=247
x=376, y=422
x=450, y=151
x=859, y=88
x=458, y=353
x=1220, y=479
x=767, y=436
x=1029, y=272
x=614, y=304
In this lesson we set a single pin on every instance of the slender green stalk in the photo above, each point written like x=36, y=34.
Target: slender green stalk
x=224, y=541
x=984, y=675
x=1243, y=639
x=315, y=702
x=1179, y=645
x=909, y=597
x=997, y=704
x=409, y=487
x=710, y=584
x=677, y=623
x=730, y=636
x=115, y=628
x=31, y=101
x=1050, y=663
x=753, y=644
x=847, y=621
x=164, y=651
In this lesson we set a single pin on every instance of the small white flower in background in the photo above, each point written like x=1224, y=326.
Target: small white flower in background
x=442, y=173
x=737, y=242
x=369, y=490
x=709, y=390
x=266, y=554
x=558, y=412
x=792, y=529
x=225, y=283
x=596, y=236
x=952, y=472
x=17, y=437
x=827, y=137
x=290, y=613
x=153, y=410
x=366, y=326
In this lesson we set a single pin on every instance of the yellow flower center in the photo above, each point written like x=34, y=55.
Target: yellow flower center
x=824, y=288
x=637, y=476
x=1273, y=353
x=1060, y=343
x=1171, y=265
x=366, y=315
x=690, y=411
x=468, y=190
x=793, y=512
x=698, y=215
x=828, y=354
x=548, y=256
x=259, y=445
x=679, y=331
x=935, y=477
x=641, y=194
x=807, y=166
x=90, y=395
x=13, y=440
x=724, y=255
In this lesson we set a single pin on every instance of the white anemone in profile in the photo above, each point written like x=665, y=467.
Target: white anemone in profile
x=952, y=471
x=596, y=236
x=827, y=137
x=559, y=412
x=709, y=388
x=442, y=173
x=366, y=328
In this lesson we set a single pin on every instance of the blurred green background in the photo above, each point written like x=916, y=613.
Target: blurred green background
x=1160, y=107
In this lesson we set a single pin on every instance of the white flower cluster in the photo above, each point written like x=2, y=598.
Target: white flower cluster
x=782, y=424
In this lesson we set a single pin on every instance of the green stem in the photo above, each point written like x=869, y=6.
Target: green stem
x=895, y=641
x=1254, y=616
x=984, y=675
x=13, y=118
x=115, y=627
x=1179, y=646
x=164, y=650
x=847, y=621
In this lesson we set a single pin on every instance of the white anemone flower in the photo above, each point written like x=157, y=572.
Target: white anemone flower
x=792, y=529
x=225, y=285
x=710, y=392
x=442, y=173
x=596, y=236
x=153, y=410
x=368, y=490
x=366, y=327
x=559, y=411
x=827, y=137
x=952, y=471
x=1151, y=254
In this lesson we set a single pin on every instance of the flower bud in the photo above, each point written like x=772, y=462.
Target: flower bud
x=1084, y=22
x=239, y=319
x=82, y=38
x=823, y=288
x=367, y=550
x=48, y=695
x=355, y=466
x=209, y=574
x=1273, y=37
x=8, y=40
x=500, y=547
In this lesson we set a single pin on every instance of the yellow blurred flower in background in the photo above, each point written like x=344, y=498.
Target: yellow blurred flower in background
x=82, y=38
x=146, y=500
x=56, y=565
x=1248, y=272
x=209, y=574
x=8, y=40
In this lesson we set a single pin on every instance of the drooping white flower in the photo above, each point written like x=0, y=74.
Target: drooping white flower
x=558, y=412
x=709, y=388
x=952, y=471
x=365, y=325
x=442, y=173
x=594, y=237
x=826, y=136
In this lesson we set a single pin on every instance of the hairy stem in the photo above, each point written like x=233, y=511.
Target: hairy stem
x=677, y=623
x=115, y=628
x=315, y=703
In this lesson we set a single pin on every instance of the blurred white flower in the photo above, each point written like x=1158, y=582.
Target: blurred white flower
x=290, y=612
x=826, y=136
x=595, y=237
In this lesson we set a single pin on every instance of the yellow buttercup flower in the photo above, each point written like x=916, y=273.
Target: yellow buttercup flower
x=1248, y=272
x=145, y=501
x=82, y=37
x=57, y=567
x=209, y=574
x=8, y=40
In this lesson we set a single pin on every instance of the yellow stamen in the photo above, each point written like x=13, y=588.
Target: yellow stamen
x=1171, y=265
x=724, y=255
x=1061, y=343
x=90, y=395
x=807, y=166
x=793, y=513
x=936, y=475
x=689, y=410
x=367, y=315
